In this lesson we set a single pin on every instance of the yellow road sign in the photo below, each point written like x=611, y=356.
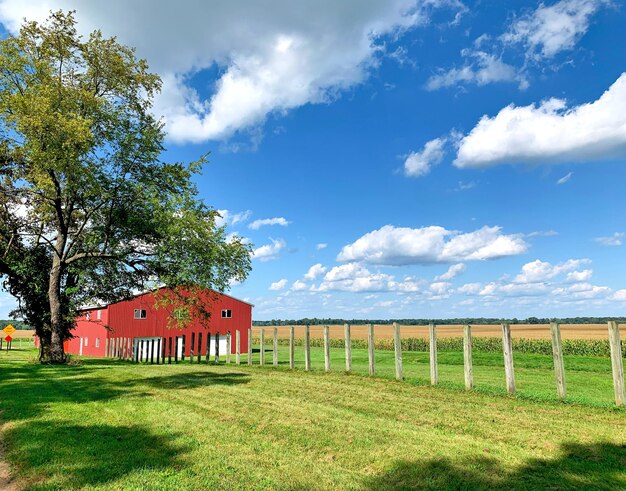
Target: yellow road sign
x=8, y=330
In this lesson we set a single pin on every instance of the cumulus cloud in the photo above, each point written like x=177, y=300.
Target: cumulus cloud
x=418, y=164
x=276, y=56
x=257, y=224
x=481, y=69
x=354, y=277
x=269, y=251
x=551, y=29
x=453, y=272
x=278, y=285
x=321, y=245
x=620, y=295
x=227, y=217
x=314, y=272
x=539, y=271
x=299, y=285
x=401, y=245
x=611, y=240
x=550, y=132
x=581, y=291
x=579, y=276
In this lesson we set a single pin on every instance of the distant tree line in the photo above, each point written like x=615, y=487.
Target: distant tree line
x=454, y=321
x=19, y=325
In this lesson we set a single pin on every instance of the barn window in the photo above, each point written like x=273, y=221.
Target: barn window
x=227, y=314
x=86, y=341
x=88, y=315
x=140, y=313
x=99, y=315
x=97, y=342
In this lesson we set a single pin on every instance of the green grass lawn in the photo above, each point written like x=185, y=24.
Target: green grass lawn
x=589, y=379
x=113, y=425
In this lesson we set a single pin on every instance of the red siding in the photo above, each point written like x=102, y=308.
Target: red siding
x=119, y=318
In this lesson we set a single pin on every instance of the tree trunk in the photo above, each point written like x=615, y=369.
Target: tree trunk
x=57, y=354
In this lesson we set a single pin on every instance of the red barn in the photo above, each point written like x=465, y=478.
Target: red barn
x=136, y=329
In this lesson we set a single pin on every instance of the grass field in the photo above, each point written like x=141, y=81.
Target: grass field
x=106, y=424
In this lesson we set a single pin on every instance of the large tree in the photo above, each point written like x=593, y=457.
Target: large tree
x=88, y=211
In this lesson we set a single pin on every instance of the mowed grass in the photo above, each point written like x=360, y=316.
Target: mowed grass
x=114, y=425
x=589, y=379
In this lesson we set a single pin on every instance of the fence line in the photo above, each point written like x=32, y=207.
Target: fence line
x=156, y=350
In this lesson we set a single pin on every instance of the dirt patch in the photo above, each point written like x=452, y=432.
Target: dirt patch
x=6, y=483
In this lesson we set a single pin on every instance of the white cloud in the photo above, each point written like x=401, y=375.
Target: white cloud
x=299, y=285
x=278, y=285
x=272, y=56
x=579, y=276
x=483, y=69
x=257, y=224
x=354, y=277
x=470, y=288
x=582, y=291
x=550, y=132
x=551, y=29
x=419, y=163
x=611, y=240
x=229, y=218
x=620, y=295
x=269, y=251
x=321, y=246
x=440, y=287
x=453, y=271
x=565, y=178
x=539, y=271
x=400, y=245
x=543, y=233
x=314, y=272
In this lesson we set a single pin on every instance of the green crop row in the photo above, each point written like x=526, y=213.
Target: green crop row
x=581, y=347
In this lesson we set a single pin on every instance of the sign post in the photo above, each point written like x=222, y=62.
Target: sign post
x=8, y=330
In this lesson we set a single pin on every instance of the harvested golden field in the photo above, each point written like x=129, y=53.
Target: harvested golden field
x=385, y=331
x=22, y=334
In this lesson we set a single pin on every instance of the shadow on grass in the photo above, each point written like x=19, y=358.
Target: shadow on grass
x=57, y=456
x=597, y=466
x=195, y=379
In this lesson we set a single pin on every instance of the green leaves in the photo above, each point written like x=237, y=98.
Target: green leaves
x=80, y=161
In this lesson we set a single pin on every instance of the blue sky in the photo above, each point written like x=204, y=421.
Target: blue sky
x=398, y=158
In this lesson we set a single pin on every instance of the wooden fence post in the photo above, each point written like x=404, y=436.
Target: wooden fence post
x=370, y=349
x=507, y=348
x=217, y=347
x=275, y=346
x=228, y=347
x=348, y=343
x=262, y=343
x=397, y=344
x=326, y=349
x=617, y=363
x=238, y=347
x=434, y=373
x=307, y=348
x=557, y=353
x=292, y=361
x=250, y=346
x=467, y=357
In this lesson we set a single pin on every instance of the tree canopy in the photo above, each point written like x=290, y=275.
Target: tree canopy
x=88, y=211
